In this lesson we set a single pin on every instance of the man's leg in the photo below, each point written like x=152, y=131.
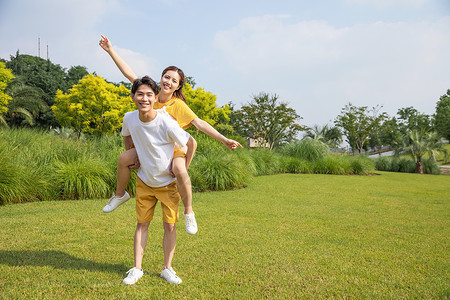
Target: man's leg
x=140, y=242
x=169, y=242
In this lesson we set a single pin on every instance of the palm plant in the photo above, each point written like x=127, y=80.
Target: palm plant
x=26, y=105
x=331, y=136
x=418, y=144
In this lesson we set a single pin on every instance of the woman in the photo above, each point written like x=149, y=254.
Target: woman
x=171, y=98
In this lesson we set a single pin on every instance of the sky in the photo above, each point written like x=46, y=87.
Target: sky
x=317, y=56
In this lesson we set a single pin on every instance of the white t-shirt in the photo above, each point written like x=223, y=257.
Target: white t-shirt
x=155, y=143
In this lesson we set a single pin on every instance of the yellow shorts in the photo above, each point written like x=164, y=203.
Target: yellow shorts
x=146, y=198
x=178, y=152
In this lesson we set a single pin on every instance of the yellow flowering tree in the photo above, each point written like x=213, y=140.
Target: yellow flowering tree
x=93, y=106
x=203, y=103
x=5, y=77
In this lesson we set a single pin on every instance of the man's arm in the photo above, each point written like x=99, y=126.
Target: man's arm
x=128, y=141
x=120, y=63
x=191, y=147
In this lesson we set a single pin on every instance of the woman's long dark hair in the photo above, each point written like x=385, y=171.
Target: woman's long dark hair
x=179, y=92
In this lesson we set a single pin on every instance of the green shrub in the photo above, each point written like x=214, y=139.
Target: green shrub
x=361, y=165
x=383, y=163
x=307, y=149
x=332, y=165
x=266, y=161
x=245, y=157
x=21, y=184
x=214, y=172
x=405, y=165
x=82, y=178
x=294, y=165
x=430, y=166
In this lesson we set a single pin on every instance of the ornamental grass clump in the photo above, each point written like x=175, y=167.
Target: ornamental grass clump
x=430, y=166
x=383, y=163
x=83, y=178
x=306, y=149
x=218, y=172
x=294, y=165
x=361, y=165
x=332, y=165
x=266, y=162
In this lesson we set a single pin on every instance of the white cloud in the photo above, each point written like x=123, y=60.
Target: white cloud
x=320, y=67
x=388, y=3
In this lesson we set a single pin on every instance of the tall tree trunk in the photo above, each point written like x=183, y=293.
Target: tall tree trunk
x=419, y=166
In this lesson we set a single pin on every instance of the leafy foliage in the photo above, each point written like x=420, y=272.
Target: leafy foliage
x=43, y=75
x=5, y=77
x=307, y=149
x=331, y=136
x=203, y=103
x=358, y=123
x=442, y=117
x=419, y=143
x=26, y=106
x=93, y=106
x=267, y=121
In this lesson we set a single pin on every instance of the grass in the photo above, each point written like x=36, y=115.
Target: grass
x=284, y=236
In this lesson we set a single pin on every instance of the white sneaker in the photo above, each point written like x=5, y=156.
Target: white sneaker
x=133, y=276
x=191, y=224
x=115, y=201
x=170, y=276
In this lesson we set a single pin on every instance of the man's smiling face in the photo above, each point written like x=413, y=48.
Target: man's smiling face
x=144, y=98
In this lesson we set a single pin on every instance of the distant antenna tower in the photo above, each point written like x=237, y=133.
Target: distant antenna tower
x=47, y=50
x=39, y=46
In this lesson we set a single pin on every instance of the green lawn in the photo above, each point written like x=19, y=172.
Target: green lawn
x=284, y=236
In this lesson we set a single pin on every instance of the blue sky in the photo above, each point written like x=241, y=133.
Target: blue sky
x=316, y=55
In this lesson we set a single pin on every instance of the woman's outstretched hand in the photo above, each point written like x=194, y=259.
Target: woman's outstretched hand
x=105, y=43
x=231, y=144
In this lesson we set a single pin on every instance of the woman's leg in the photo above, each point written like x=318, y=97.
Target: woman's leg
x=126, y=159
x=183, y=183
x=185, y=191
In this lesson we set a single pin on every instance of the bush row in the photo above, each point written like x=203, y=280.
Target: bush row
x=405, y=165
x=40, y=165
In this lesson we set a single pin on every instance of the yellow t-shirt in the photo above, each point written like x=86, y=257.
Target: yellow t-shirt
x=179, y=110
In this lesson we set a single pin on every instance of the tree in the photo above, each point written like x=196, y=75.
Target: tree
x=358, y=122
x=267, y=120
x=48, y=77
x=75, y=74
x=40, y=73
x=203, y=104
x=442, y=116
x=331, y=136
x=26, y=106
x=410, y=119
x=418, y=143
x=93, y=106
x=5, y=77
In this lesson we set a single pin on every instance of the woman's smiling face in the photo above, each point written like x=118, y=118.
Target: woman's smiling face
x=170, y=82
